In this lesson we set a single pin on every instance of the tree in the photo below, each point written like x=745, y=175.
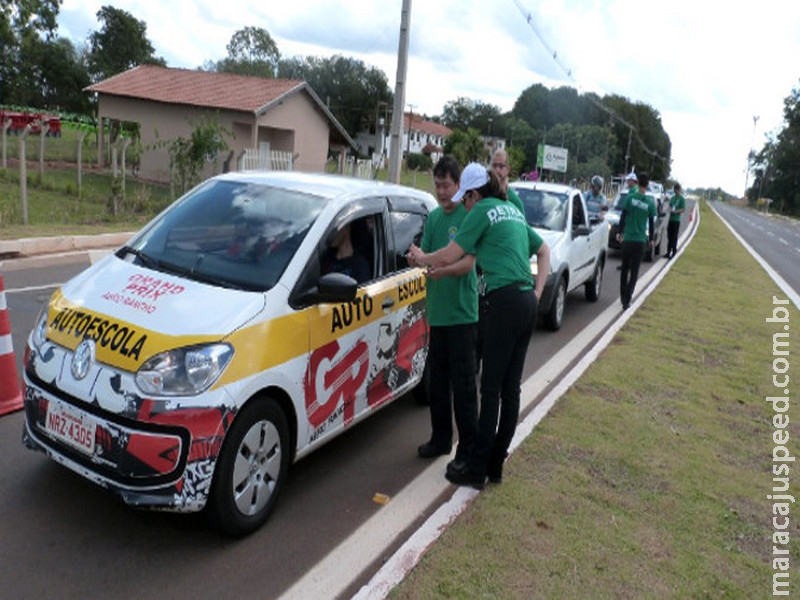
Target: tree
x=251, y=51
x=119, y=45
x=466, y=146
x=189, y=156
x=63, y=75
x=778, y=163
x=464, y=113
x=22, y=24
x=351, y=90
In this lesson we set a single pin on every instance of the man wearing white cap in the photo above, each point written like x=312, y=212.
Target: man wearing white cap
x=632, y=180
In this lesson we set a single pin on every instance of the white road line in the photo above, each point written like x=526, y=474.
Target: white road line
x=783, y=241
x=34, y=288
x=779, y=281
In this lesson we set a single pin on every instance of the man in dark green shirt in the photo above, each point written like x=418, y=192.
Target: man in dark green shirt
x=636, y=224
x=677, y=206
x=452, y=309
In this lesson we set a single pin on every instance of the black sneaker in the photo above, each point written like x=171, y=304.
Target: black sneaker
x=495, y=477
x=428, y=450
x=465, y=477
x=456, y=466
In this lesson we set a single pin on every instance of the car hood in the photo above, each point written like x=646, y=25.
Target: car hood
x=121, y=305
x=549, y=236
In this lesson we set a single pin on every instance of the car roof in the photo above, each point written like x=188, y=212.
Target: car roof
x=558, y=188
x=324, y=185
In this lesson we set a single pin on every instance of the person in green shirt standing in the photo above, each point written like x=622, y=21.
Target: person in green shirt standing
x=636, y=220
x=452, y=308
x=502, y=168
x=677, y=205
x=498, y=236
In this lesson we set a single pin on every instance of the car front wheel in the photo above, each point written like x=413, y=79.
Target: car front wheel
x=251, y=468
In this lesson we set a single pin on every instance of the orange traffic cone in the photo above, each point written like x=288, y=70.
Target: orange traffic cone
x=10, y=392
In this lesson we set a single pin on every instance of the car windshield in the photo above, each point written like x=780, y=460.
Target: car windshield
x=544, y=209
x=232, y=234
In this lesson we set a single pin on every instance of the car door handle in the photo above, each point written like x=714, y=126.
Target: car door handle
x=387, y=304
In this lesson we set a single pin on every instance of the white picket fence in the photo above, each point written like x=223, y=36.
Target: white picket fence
x=273, y=160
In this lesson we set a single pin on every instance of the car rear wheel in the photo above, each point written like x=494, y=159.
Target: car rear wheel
x=251, y=468
x=595, y=284
x=555, y=316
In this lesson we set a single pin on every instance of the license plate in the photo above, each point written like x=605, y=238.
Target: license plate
x=71, y=426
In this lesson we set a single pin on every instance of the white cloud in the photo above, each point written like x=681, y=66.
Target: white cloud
x=706, y=66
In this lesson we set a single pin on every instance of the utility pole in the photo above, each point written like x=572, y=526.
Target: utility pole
x=747, y=174
x=410, y=125
x=395, y=150
x=628, y=151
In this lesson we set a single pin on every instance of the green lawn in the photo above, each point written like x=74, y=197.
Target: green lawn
x=55, y=208
x=649, y=478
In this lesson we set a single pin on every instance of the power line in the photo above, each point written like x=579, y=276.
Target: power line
x=568, y=72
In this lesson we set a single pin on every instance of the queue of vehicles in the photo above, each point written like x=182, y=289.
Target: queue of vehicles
x=189, y=369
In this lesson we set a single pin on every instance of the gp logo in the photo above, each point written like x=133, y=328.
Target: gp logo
x=339, y=383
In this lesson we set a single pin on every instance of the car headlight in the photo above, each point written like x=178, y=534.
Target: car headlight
x=184, y=371
x=39, y=334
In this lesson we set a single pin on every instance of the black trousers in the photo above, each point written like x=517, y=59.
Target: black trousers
x=673, y=228
x=631, y=261
x=508, y=323
x=451, y=360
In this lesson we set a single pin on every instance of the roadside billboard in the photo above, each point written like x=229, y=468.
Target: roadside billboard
x=552, y=158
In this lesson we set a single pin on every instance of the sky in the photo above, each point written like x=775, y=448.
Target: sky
x=716, y=73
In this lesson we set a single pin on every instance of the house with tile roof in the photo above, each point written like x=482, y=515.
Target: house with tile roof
x=420, y=136
x=262, y=116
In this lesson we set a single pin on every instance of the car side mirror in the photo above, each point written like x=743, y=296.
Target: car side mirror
x=336, y=287
x=581, y=230
x=330, y=288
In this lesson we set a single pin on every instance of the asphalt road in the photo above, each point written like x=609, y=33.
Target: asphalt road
x=63, y=537
x=776, y=239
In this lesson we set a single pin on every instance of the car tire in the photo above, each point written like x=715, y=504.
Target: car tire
x=251, y=468
x=555, y=313
x=594, y=286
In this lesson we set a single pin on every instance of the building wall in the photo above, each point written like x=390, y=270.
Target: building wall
x=293, y=126
x=297, y=126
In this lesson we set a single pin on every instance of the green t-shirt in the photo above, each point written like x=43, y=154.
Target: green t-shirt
x=451, y=300
x=638, y=207
x=677, y=202
x=496, y=232
x=513, y=197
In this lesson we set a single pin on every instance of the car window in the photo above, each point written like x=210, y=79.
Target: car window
x=544, y=209
x=407, y=229
x=232, y=234
x=355, y=248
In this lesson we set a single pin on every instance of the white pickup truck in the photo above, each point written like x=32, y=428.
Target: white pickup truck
x=577, y=243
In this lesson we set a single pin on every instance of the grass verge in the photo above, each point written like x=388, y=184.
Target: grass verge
x=649, y=478
x=54, y=208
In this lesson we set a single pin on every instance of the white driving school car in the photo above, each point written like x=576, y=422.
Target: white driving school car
x=190, y=368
